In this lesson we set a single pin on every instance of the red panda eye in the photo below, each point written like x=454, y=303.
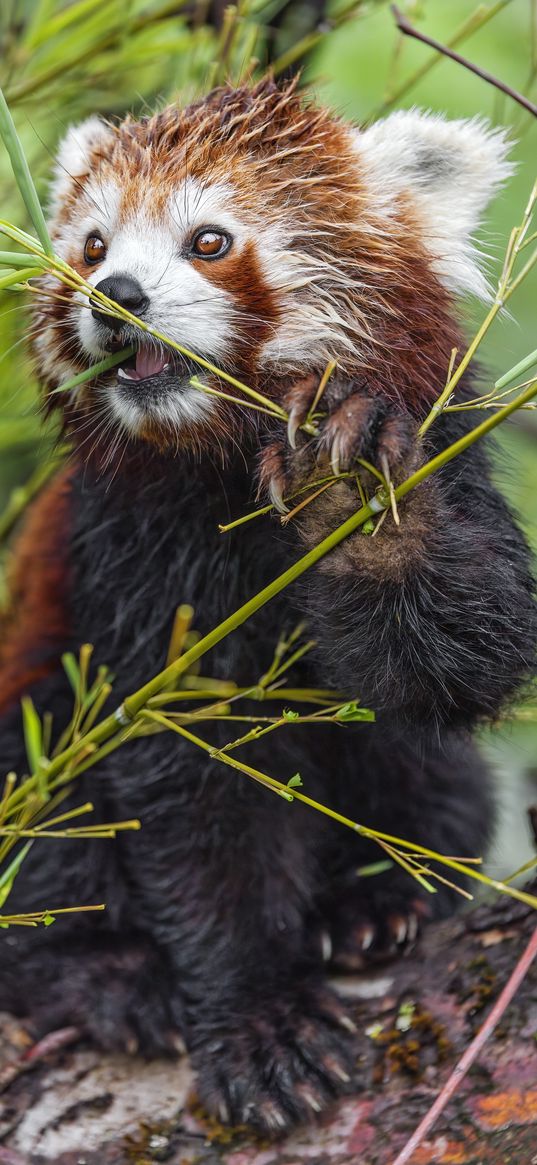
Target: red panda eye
x=210, y=244
x=94, y=249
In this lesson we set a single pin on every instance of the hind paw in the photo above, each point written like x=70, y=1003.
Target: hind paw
x=364, y=928
x=279, y=1065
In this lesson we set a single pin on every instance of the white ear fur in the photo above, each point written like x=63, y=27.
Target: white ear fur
x=450, y=170
x=74, y=157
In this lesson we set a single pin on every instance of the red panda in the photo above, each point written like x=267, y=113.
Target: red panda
x=269, y=237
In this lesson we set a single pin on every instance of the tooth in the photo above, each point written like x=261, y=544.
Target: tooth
x=125, y=374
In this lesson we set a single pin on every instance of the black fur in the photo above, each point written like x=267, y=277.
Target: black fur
x=216, y=910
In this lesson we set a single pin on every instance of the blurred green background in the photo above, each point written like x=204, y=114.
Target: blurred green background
x=60, y=61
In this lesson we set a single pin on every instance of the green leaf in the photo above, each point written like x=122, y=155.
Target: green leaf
x=13, y=278
x=374, y=868
x=288, y=714
x=405, y=1016
x=295, y=782
x=7, y=878
x=22, y=175
x=94, y=370
x=72, y=670
x=351, y=711
x=48, y=919
x=86, y=652
x=41, y=776
x=15, y=259
x=33, y=735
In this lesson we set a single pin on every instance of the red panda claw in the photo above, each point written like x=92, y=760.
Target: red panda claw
x=293, y=425
x=335, y=456
x=276, y=497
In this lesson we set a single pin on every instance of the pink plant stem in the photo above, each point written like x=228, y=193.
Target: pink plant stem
x=471, y=1053
x=53, y=1042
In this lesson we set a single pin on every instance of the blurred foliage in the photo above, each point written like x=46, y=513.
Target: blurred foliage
x=60, y=61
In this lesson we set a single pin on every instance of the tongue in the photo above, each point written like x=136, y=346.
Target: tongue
x=148, y=363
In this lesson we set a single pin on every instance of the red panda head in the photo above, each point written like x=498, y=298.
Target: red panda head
x=268, y=237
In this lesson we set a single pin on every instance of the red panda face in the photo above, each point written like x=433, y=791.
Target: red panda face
x=186, y=265
x=175, y=269
x=265, y=237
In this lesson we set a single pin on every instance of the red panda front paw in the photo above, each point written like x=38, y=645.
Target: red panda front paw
x=355, y=427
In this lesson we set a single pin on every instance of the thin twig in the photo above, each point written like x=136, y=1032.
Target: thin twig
x=465, y=1063
x=408, y=30
x=53, y=1042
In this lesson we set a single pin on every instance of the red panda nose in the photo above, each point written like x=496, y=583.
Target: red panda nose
x=124, y=290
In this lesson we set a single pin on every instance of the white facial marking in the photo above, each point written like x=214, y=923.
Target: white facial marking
x=181, y=407
x=74, y=158
x=197, y=204
x=185, y=305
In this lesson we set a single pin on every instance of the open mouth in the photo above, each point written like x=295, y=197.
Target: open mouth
x=148, y=374
x=154, y=387
x=144, y=365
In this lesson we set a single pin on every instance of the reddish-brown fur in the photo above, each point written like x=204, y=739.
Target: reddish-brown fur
x=35, y=629
x=285, y=161
x=219, y=911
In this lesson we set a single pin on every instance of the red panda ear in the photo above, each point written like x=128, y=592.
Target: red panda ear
x=76, y=157
x=449, y=170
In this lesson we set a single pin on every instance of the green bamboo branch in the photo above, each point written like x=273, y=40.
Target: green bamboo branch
x=322, y=696
x=109, y=38
x=22, y=175
x=507, y=285
x=46, y=917
x=91, y=745
x=94, y=370
x=293, y=794
x=106, y=732
x=15, y=259
x=517, y=370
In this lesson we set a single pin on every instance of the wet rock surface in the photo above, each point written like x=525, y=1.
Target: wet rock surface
x=415, y=1017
